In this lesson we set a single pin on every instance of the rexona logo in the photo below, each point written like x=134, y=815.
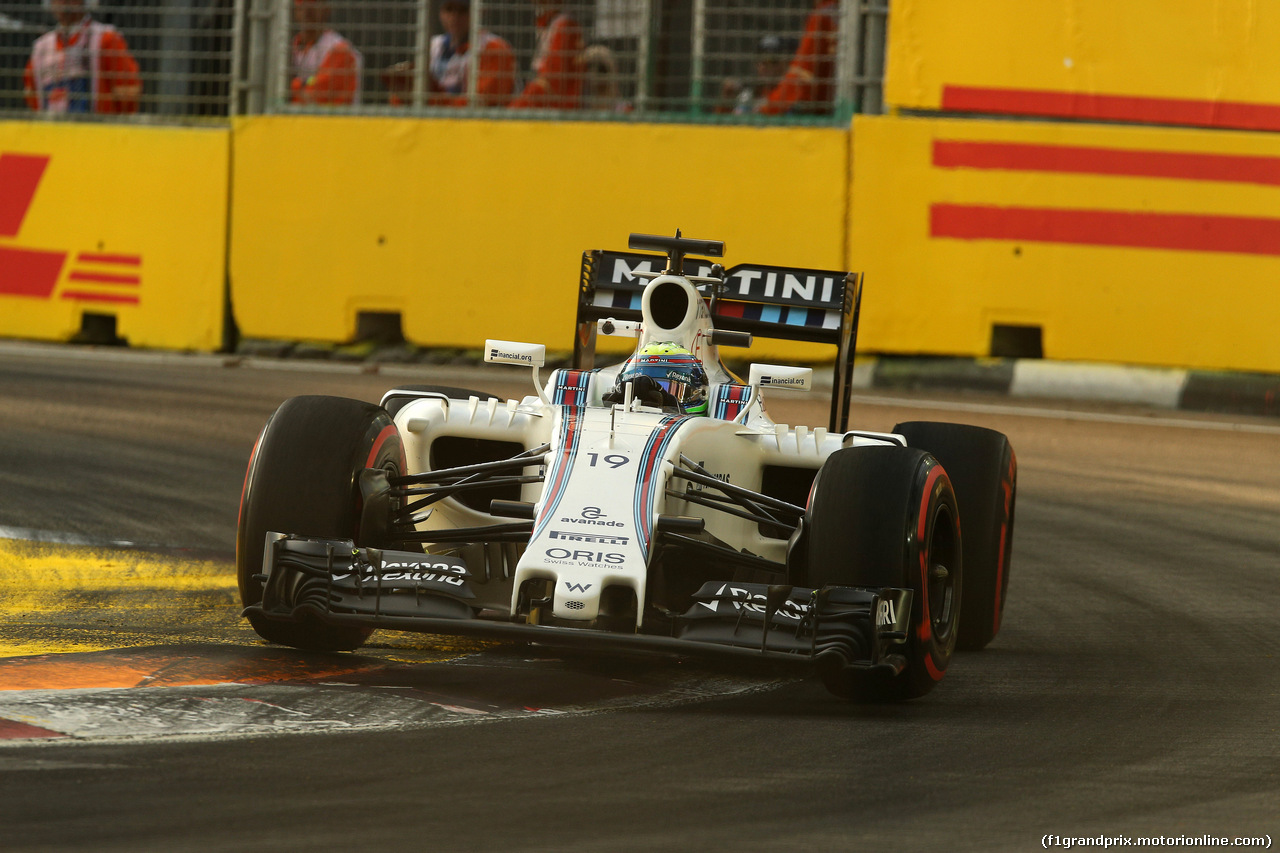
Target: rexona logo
x=743, y=599
x=95, y=276
x=414, y=572
x=592, y=515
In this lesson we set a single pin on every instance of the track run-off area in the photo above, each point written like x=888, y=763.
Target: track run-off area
x=1133, y=691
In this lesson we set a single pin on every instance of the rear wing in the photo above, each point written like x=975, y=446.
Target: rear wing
x=784, y=303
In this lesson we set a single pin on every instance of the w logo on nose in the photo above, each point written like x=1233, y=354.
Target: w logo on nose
x=577, y=587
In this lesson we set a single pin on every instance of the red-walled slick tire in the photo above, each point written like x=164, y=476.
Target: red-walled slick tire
x=984, y=474
x=302, y=479
x=886, y=517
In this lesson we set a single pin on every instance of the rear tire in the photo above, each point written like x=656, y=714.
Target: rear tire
x=886, y=517
x=302, y=479
x=984, y=474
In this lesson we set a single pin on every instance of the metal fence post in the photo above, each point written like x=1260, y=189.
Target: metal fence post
x=238, y=82
x=257, y=84
x=421, y=51
x=473, y=53
x=698, y=57
x=876, y=26
x=848, y=52
x=282, y=54
x=644, y=41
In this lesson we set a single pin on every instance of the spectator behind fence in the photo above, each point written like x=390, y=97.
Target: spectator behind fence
x=557, y=74
x=449, y=65
x=773, y=55
x=600, y=81
x=326, y=67
x=81, y=66
x=809, y=84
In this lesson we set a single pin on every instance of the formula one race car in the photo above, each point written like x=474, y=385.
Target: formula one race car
x=650, y=505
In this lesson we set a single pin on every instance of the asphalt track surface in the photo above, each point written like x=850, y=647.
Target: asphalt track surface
x=1133, y=692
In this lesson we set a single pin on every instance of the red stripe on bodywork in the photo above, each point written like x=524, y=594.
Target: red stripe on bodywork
x=558, y=476
x=1014, y=156
x=20, y=175
x=1182, y=231
x=29, y=272
x=1182, y=111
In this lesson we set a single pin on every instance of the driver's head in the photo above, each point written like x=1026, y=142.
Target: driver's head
x=664, y=375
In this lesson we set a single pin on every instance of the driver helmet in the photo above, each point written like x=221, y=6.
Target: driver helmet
x=669, y=371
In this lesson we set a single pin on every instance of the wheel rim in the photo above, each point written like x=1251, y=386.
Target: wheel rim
x=941, y=590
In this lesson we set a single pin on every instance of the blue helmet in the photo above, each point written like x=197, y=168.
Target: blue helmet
x=667, y=375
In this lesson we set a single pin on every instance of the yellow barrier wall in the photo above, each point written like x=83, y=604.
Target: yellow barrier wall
x=1132, y=245
x=1189, y=62
x=475, y=229
x=116, y=220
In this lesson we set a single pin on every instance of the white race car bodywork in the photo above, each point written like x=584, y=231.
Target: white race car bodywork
x=608, y=472
x=648, y=506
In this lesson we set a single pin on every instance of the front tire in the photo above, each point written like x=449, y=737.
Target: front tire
x=886, y=517
x=302, y=479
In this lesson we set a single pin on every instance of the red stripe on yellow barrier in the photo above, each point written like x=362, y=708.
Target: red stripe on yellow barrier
x=87, y=296
x=29, y=272
x=1148, y=110
x=20, y=175
x=91, y=258
x=1015, y=156
x=1182, y=231
x=104, y=278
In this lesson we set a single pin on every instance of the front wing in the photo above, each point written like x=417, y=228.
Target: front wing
x=336, y=582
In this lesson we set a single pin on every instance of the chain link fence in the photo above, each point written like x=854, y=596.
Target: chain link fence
x=191, y=61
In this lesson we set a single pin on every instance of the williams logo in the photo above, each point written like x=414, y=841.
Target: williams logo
x=754, y=602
